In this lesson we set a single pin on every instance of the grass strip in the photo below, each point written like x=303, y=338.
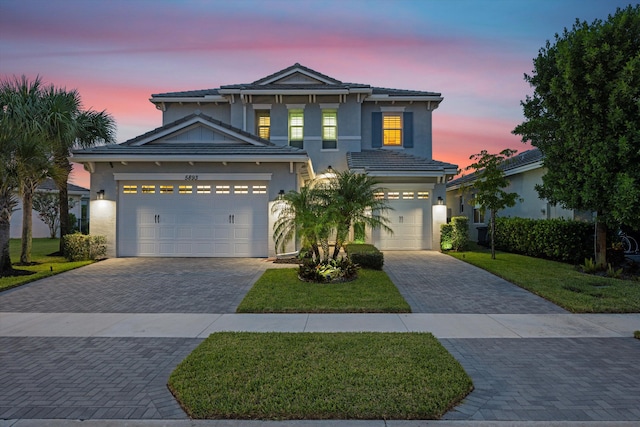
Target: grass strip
x=559, y=283
x=280, y=291
x=319, y=376
x=45, y=265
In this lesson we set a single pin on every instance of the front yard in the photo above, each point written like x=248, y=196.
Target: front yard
x=44, y=264
x=559, y=283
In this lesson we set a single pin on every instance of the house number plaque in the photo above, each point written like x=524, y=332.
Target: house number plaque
x=191, y=177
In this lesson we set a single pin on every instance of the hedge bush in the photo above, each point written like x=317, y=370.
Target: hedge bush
x=365, y=255
x=455, y=235
x=82, y=247
x=556, y=239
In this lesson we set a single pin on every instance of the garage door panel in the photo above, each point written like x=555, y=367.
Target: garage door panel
x=206, y=225
x=409, y=221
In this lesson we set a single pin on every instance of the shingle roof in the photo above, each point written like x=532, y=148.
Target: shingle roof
x=260, y=84
x=390, y=160
x=49, y=185
x=525, y=158
x=193, y=149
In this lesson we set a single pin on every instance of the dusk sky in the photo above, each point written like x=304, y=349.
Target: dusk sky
x=118, y=52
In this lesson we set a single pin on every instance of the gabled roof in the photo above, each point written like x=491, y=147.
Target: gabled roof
x=193, y=118
x=295, y=78
x=530, y=158
x=388, y=162
x=242, y=146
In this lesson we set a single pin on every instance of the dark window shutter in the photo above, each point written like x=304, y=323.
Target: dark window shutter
x=407, y=129
x=376, y=130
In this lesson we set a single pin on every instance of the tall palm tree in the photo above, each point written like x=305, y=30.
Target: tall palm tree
x=19, y=110
x=67, y=125
x=351, y=199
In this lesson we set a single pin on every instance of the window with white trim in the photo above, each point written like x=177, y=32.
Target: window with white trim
x=392, y=129
x=263, y=124
x=329, y=129
x=296, y=128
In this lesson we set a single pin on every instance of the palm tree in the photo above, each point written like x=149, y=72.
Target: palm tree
x=67, y=126
x=300, y=214
x=19, y=110
x=32, y=163
x=351, y=199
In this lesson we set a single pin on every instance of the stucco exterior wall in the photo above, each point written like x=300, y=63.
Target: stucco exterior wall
x=40, y=229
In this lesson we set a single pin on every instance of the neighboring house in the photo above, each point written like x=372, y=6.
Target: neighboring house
x=203, y=183
x=524, y=171
x=79, y=197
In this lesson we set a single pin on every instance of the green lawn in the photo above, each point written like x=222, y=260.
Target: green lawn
x=280, y=291
x=319, y=376
x=560, y=283
x=46, y=265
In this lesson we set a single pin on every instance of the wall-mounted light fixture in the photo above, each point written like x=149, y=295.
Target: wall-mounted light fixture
x=100, y=195
x=280, y=194
x=440, y=201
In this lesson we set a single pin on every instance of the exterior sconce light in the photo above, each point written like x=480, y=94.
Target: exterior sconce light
x=100, y=195
x=280, y=194
x=440, y=201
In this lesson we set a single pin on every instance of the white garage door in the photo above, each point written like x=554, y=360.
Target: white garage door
x=410, y=221
x=203, y=219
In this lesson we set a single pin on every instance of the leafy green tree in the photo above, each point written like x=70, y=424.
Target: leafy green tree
x=584, y=117
x=48, y=208
x=488, y=186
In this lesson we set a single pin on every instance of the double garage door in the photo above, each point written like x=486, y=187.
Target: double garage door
x=203, y=219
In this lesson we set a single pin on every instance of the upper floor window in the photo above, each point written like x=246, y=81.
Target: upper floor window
x=392, y=129
x=329, y=130
x=263, y=124
x=296, y=128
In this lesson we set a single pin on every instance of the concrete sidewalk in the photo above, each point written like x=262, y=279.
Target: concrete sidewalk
x=201, y=325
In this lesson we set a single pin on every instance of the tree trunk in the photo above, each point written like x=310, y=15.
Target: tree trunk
x=6, y=208
x=63, y=194
x=27, y=225
x=601, y=244
x=493, y=234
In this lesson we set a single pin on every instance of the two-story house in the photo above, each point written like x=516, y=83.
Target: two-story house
x=203, y=183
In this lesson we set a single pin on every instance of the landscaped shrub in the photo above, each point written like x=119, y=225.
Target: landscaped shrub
x=365, y=255
x=556, y=239
x=455, y=235
x=331, y=271
x=82, y=247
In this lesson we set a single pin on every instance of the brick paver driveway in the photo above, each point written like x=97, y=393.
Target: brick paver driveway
x=113, y=378
x=142, y=285
x=558, y=379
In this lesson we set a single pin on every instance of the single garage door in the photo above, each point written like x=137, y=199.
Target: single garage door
x=410, y=221
x=203, y=219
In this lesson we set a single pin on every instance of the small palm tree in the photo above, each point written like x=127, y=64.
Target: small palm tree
x=300, y=214
x=351, y=199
